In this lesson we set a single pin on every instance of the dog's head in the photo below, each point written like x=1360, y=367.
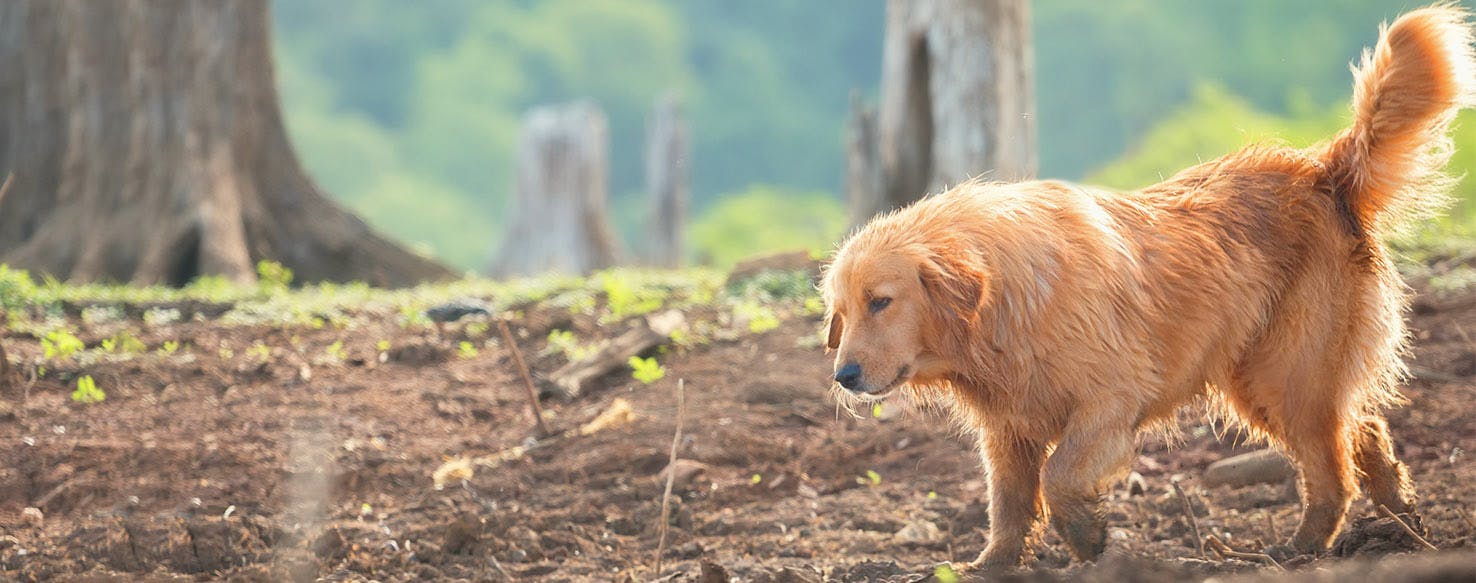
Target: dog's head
x=897, y=306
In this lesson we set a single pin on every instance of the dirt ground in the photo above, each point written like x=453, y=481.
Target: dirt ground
x=311, y=463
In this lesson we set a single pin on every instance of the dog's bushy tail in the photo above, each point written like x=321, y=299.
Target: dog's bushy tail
x=1388, y=167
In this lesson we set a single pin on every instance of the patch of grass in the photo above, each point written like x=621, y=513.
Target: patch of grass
x=60, y=345
x=646, y=370
x=87, y=392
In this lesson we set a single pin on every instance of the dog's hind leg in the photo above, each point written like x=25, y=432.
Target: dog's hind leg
x=1014, y=494
x=1090, y=453
x=1385, y=479
x=1319, y=442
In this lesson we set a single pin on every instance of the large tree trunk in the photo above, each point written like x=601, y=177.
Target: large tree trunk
x=560, y=224
x=148, y=147
x=668, y=179
x=957, y=98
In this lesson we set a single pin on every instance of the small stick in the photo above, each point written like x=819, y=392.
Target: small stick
x=1384, y=510
x=1189, y=512
x=517, y=355
x=676, y=440
x=1224, y=550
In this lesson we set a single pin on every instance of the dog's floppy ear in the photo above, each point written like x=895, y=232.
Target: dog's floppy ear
x=954, y=280
x=832, y=341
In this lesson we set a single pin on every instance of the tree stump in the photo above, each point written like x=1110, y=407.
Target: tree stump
x=957, y=99
x=148, y=147
x=560, y=223
x=865, y=190
x=668, y=180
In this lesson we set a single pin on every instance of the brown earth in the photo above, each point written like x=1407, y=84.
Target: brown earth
x=211, y=465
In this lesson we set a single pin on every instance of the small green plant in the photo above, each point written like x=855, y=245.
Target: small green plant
x=273, y=276
x=760, y=317
x=126, y=342
x=263, y=352
x=467, y=350
x=336, y=351
x=108, y=345
x=625, y=301
x=870, y=479
x=563, y=342
x=756, y=479
x=945, y=574
x=814, y=306
x=87, y=392
x=876, y=410
x=60, y=345
x=476, y=329
x=169, y=348
x=227, y=353
x=382, y=346
x=17, y=289
x=646, y=370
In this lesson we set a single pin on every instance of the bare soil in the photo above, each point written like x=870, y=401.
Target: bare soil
x=211, y=465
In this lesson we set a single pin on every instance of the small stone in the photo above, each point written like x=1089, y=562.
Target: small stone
x=1137, y=486
x=1260, y=467
x=918, y=532
x=33, y=517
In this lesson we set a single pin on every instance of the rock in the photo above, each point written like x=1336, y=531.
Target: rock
x=1260, y=467
x=919, y=532
x=685, y=473
x=713, y=573
x=790, y=261
x=32, y=517
x=1137, y=486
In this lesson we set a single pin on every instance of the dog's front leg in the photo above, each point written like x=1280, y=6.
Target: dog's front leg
x=1092, y=450
x=1014, y=465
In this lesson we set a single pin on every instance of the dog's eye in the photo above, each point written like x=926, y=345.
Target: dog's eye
x=879, y=304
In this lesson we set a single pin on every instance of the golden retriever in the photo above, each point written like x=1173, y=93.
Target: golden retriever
x=1061, y=320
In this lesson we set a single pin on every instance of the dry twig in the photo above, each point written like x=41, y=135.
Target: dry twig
x=517, y=355
x=676, y=440
x=1224, y=550
x=1189, y=512
x=1384, y=510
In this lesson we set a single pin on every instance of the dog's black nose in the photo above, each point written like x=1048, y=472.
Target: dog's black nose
x=849, y=376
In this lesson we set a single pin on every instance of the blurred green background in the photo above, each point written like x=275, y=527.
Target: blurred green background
x=408, y=112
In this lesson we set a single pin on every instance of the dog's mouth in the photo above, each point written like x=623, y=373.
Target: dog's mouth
x=903, y=375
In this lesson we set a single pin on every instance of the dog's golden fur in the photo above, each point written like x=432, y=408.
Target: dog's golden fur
x=1062, y=319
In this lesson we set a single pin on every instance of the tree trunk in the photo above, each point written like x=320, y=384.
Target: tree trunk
x=957, y=97
x=148, y=147
x=864, y=182
x=560, y=223
x=668, y=179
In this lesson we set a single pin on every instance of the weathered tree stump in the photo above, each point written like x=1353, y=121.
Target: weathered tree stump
x=668, y=180
x=957, y=99
x=560, y=223
x=148, y=147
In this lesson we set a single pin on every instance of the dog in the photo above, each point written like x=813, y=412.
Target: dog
x=1061, y=320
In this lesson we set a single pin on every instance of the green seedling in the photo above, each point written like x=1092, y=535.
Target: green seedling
x=467, y=350
x=263, y=352
x=945, y=574
x=336, y=351
x=126, y=342
x=169, y=348
x=272, y=276
x=646, y=370
x=870, y=479
x=60, y=345
x=756, y=479
x=87, y=392
x=382, y=346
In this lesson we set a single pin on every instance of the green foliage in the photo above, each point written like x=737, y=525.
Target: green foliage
x=273, y=276
x=944, y=573
x=87, y=392
x=17, y=289
x=760, y=318
x=563, y=342
x=336, y=351
x=60, y=345
x=766, y=219
x=466, y=350
x=646, y=370
x=624, y=299
x=169, y=348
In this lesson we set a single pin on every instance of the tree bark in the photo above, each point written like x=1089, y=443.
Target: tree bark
x=148, y=147
x=957, y=98
x=668, y=179
x=560, y=222
x=865, y=186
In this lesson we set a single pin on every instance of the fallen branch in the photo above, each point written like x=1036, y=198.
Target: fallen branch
x=617, y=414
x=676, y=440
x=1189, y=512
x=569, y=381
x=1384, y=510
x=512, y=346
x=1224, y=551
